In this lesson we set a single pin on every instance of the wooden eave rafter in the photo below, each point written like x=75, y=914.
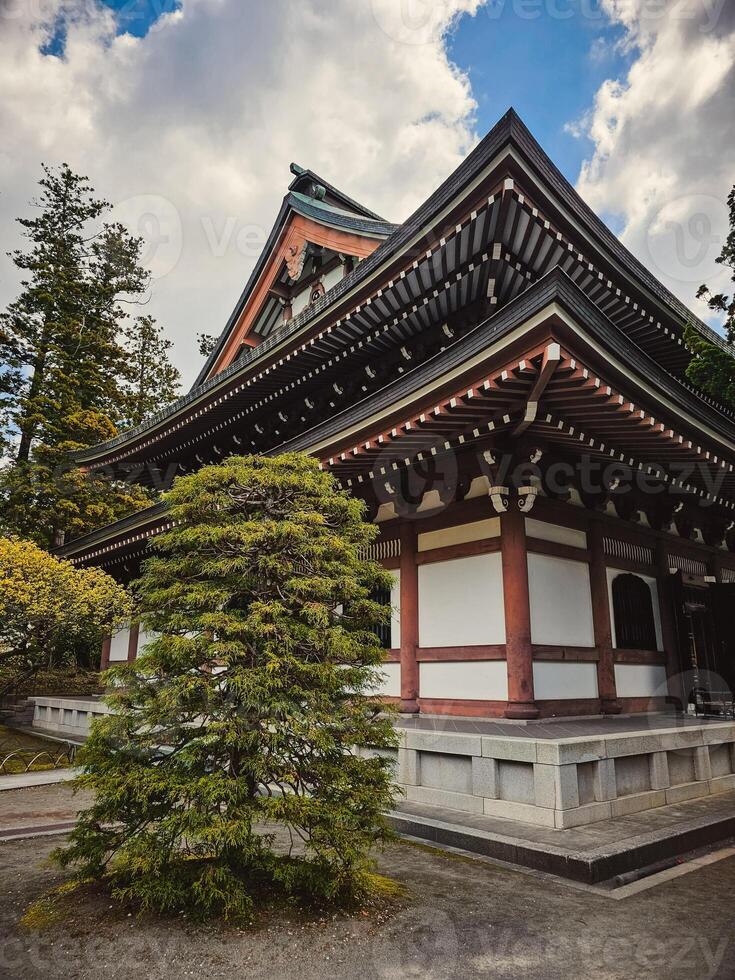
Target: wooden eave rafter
x=550, y=361
x=578, y=412
x=460, y=281
x=598, y=419
x=381, y=313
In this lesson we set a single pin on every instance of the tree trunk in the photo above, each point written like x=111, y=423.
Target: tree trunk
x=28, y=430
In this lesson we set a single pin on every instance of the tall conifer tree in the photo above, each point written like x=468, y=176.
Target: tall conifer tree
x=65, y=368
x=151, y=380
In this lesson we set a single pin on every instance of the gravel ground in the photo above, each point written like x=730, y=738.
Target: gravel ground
x=41, y=805
x=462, y=918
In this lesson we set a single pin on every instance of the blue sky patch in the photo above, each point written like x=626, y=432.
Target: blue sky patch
x=546, y=58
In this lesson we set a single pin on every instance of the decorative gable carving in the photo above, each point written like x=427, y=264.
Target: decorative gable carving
x=295, y=259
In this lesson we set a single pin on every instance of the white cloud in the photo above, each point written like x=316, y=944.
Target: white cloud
x=664, y=139
x=192, y=128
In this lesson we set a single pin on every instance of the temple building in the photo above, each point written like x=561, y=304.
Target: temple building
x=505, y=386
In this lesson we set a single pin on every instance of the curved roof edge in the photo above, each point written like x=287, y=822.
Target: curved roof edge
x=305, y=176
x=351, y=217
x=554, y=286
x=139, y=519
x=509, y=129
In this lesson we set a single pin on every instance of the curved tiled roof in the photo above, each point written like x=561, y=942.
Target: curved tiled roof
x=509, y=129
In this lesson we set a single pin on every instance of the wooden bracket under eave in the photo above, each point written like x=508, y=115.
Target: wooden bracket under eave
x=551, y=360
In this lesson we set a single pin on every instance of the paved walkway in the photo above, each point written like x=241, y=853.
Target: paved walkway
x=38, y=810
x=25, y=780
x=591, y=853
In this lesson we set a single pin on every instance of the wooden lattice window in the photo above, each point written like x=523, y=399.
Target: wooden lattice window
x=635, y=624
x=383, y=630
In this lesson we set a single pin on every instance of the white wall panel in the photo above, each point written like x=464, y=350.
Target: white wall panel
x=556, y=533
x=459, y=534
x=143, y=639
x=554, y=681
x=119, y=646
x=561, y=602
x=333, y=277
x=640, y=680
x=461, y=602
x=473, y=680
x=391, y=683
x=612, y=574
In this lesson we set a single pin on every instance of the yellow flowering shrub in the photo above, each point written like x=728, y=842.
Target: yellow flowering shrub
x=48, y=607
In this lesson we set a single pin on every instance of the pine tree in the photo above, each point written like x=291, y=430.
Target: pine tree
x=711, y=368
x=152, y=381
x=65, y=366
x=252, y=705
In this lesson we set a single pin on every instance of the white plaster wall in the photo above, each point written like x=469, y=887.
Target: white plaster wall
x=556, y=533
x=459, y=534
x=554, y=681
x=395, y=610
x=471, y=680
x=300, y=301
x=144, y=637
x=461, y=602
x=640, y=680
x=390, y=687
x=561, y=602
x=333, y=277
x=119, y=646
x=612, y=574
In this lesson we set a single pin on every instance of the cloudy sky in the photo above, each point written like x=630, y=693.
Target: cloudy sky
x=187, y=114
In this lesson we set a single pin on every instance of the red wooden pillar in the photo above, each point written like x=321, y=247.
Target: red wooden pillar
x=409, y=619
x=133, y=642
x=669, y=627
x=105, y=659
x=601, y=620
x=519, y=652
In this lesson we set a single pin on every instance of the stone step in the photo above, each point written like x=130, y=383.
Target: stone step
x=20, y=713
x=592, y=854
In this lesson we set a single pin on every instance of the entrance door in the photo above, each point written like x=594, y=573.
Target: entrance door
x=723, y=606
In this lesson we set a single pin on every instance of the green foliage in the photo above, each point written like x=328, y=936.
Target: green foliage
x=711, y=368
x=253, y=706
x=151, y=380
x=206, y=343
x=721, y=302
x=70, y=364
x=67, y=680
x=48, y=607
x=51, y=493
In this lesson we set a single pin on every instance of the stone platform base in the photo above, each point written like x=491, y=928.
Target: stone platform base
x=563, y=775
x=592, y=855
x=67, y=717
